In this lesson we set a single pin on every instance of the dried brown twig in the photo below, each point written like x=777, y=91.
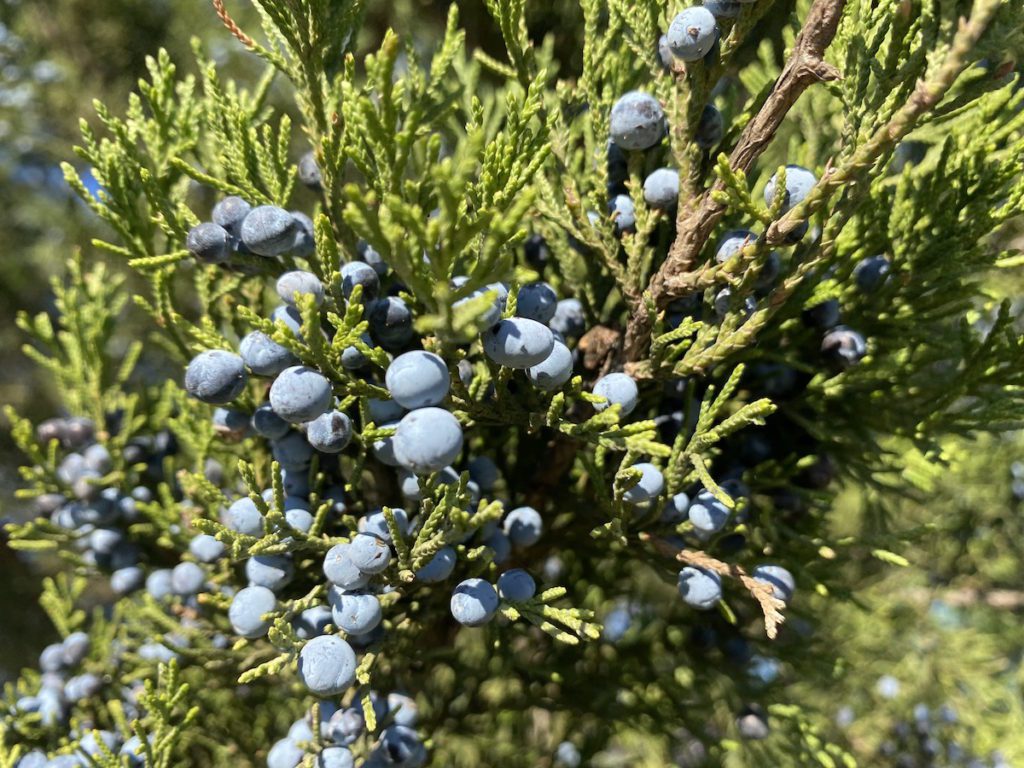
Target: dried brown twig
x=771, y=606
x=233, y=28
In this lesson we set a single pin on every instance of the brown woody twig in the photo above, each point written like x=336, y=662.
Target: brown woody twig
x=695, y=223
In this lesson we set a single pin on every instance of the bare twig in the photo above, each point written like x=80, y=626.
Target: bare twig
x=926, y=95
x=695, y=223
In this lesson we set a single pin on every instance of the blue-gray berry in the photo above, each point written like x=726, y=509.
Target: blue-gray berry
x=569, y=318
x=244, y=516
x=474, y=602
x=285, y=753
x=390, y=322
x=427, y=440
x=51, y=658
x=268, y=230
x=637, y=121
x=523, y=526
x=360, y=273
x=623, y=214
x=159, y=585
x=778, y=578
x=484, y=472
x=335, y=757
x=871, y=273
x=439, y=567
x=710, y=128
x=271, y=571
x=355, y=613
x=403, y=709
x=75, y=648
x=799, y=183
x=215, y=376
x=309, y=172
x=567, y=755
x=330, y=432
x=708, y=514
x=304, y=244
x=247, y=611
x=699, y=587
x=376, y=523
x=369, y=254
x=554, y=371
x=661, y=189
x=536, y=301
x=516, y=585
x=300, y=394
x=723, y=301
x=403, y=747
x=341, y=571
x=692, y=33
x=205, y=548
x=209, y=243
x=268, y=424
x=126, y=580
x=312, y=622
x=187, y=579
x=518, y=342
x=299, y=282
x=843, y=347
x=291, y=318
x=651, y=484
x=327, y=665
x=90, y=743
x=618, y=389
x=346, y=725
x=230, y=213
x=723, y=9
x=263, y=355
x=418, y=379
x=665, y=53
x=369, y=553
x=293, y=452
x=384, y=447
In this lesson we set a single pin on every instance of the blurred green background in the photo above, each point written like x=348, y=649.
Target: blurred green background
x=955, y=608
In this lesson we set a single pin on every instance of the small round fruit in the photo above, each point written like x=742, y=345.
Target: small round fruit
x=209, y=243
x=327, y=665
x=699, y=587
x=215, y=376
x=516, y=585
x=618, y=389
x=268, y=230
x=248, y=609
x=427, y=440
x=330, y=432
x=474, y=602
x=637, y=121
x=300, y=394
x=518, y=342
x=418, y=379
x=692, y=33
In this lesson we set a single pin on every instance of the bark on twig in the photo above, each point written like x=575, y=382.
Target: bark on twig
x=695, y=223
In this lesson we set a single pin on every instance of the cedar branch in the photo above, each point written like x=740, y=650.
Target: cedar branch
x=695, y=223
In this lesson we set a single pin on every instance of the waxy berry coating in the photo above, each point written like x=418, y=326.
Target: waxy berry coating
x=637, y=121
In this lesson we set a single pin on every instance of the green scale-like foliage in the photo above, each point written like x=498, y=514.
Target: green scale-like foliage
x=444, y=160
